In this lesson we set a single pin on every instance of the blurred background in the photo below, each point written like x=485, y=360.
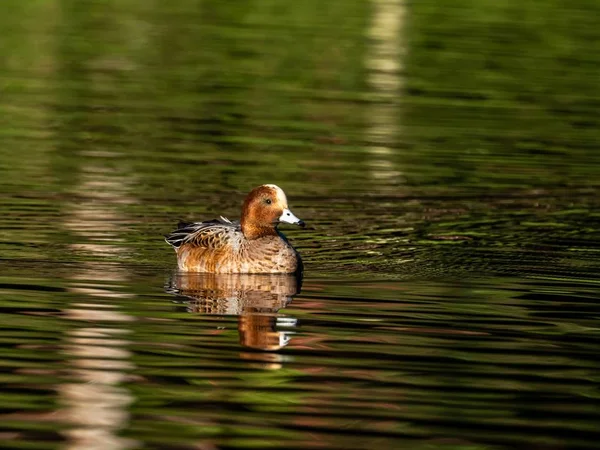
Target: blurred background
x=444, y=155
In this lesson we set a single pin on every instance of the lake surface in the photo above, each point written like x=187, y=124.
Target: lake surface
x=445, y=159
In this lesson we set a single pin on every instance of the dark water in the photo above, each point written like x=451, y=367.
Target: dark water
x=444, y=156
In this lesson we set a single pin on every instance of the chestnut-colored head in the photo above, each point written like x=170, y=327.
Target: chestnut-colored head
x=264, y=208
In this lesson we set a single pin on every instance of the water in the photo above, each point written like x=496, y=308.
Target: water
x=444, y=158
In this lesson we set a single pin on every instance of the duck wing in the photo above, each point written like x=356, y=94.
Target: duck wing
x=210, y=234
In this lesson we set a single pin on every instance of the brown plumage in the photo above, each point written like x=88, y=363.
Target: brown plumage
x=253, y=245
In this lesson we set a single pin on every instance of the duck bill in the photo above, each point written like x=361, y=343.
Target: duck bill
x=289, y=217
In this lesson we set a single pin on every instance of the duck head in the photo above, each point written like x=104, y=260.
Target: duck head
x=266, y=207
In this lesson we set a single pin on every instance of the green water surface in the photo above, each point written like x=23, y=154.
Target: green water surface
x=444, y=155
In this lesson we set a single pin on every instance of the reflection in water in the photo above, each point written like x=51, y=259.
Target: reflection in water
x=255, y=298
x=384, y=61
x=95, y=405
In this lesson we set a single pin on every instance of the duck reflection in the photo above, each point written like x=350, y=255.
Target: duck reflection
x=255, y=298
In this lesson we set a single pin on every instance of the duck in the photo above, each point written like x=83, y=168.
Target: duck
x=251, y=245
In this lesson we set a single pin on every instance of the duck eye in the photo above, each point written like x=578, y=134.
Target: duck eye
x=268, y=201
